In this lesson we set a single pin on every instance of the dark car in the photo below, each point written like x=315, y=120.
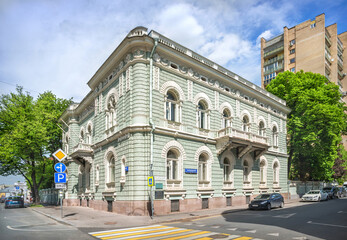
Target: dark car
x=14, y=202
x=332, y=191
x=267, y=201
x=2, y=199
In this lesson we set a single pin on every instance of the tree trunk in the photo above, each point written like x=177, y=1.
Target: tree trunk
x=35, y=189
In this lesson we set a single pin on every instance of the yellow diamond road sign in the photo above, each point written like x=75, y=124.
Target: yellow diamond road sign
x=59, y=155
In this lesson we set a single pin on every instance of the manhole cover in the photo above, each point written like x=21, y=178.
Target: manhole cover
x=219, y=236
x=110, y=223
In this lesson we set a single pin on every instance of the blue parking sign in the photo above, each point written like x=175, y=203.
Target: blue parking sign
x=60, y=177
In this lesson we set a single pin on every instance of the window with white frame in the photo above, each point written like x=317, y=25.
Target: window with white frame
x=110, y=171
x=274, y=136
x=97, y=175
x=226, y=121
x=82, y=136
x=262, y=166
x=246, y=172
x=203, y=115
x=172, y=106
x=89, y=134
x=111, y=112
x=203, y=168
x=245, y=123
x=275, y=173
x=227, y=170
x=172, y=165
x=87, y=176
x=67, y=144
x=261, y=128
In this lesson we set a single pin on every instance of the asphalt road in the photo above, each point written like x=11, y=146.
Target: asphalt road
x=23, y=224
x=322, y=220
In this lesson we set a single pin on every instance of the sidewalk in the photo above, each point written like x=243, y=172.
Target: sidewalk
x=84, y=217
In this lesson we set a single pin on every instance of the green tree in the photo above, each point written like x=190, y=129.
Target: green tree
x=315, y=123
x=28, y=135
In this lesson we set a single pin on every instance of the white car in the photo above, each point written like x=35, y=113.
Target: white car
x=315, y=195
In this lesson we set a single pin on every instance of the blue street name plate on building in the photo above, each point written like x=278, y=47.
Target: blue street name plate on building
x=192, y=171
x=60, y=177
x=127, y=169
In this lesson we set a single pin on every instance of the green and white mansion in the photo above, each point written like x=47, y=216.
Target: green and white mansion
x=210, y=138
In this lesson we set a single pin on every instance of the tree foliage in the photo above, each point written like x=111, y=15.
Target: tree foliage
x=28, y=135
x=315, y=123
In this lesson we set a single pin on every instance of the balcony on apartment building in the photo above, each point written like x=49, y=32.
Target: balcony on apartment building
x=271, y=52
x=340, y=74
x=244, y=142
x=339, y=64
x=275, y=69
x=327, y=39
x=273, y=60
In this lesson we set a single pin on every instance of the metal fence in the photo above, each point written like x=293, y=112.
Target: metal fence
x=49, y=196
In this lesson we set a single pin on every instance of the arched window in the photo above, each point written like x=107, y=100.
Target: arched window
x=203, y=171
x=172, y=165
x=203, y=115
x=274, y=136
x=245, y=123
x=67, y=144
x=245, y=172
x=122, y=171
x=226, y=122
x=227, y=170
x=97, y=175
x=172, y=106
x=111, y=112
x=110, y=169
x=89, y=134
x=261, y=129
x=87, y=176
x=82, y=135
x=276, y=173
x=262, y=167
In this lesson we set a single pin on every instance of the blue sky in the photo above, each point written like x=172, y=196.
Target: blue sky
x=58, y=45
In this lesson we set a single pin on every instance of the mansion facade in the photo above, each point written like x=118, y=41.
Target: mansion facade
x=208, y=137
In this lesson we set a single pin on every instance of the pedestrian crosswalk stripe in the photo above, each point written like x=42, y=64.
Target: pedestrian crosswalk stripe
x=126, y=229
x=242, y=238
x=204, y=238
x=143, y=234
x=160, y=235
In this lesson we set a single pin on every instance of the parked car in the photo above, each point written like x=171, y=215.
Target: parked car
x=341, y=192
x=2, y=199
x=315, y=195
x=267, y=201
x=14, y=201
x=332, y=191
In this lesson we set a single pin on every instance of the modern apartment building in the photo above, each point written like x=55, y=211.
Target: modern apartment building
x=209, y=137
x=309, y=46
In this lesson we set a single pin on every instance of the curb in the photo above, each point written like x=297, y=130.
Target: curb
x=51, y=217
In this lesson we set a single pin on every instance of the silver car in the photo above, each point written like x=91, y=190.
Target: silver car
x=315, y=195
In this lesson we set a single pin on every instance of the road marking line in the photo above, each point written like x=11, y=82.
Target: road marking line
x=215, y=226
x=273, y=234
x=37, y=230
x=234, y=236
x=326, y=224
x=166, y=230
x=140, y=230
x=232, y=229
x=251, y=231
x=189, y=235
x=243, y=238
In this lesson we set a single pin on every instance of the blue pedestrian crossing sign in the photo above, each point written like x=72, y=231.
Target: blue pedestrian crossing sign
x=150, y=181
x=60, y=177
x=60, y=167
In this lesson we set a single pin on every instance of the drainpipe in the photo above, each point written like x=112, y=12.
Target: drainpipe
x=151, y=119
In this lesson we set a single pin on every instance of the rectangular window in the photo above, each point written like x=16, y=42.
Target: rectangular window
x=292, y=60
x=228, y=201
x=292, y=42
x=292, y=51
x=175, y=205
x=292, y=69
x=204, y=203
x=313, y=25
